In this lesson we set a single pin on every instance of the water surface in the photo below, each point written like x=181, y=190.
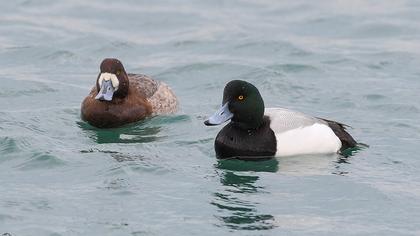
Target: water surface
x=353, y=61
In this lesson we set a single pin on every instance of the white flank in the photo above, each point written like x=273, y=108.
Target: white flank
x=315, y=139
x=109, y=76
x=299, y=134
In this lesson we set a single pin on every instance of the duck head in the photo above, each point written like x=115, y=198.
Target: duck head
x=112, y=80
x=242, y=104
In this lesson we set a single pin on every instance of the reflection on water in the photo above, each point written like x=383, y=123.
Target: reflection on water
x=303, y=165
x=144, y=131
x=345, y=158
x=235, y=211
x=235, y=200
x=140, y=132
x=270, y=165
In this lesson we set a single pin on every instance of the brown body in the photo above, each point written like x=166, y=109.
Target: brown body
x=145, y=97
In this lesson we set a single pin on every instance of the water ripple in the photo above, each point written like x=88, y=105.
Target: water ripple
x=40, y=161
x=352, y=61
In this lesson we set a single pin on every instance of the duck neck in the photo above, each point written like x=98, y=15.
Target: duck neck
x=247, y=126
x=251, y=121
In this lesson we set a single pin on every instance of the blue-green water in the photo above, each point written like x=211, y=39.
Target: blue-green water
x=357, y=62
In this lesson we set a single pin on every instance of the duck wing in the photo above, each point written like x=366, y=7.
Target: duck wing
x=283, y=120
x=158, y=94
x=145, y=85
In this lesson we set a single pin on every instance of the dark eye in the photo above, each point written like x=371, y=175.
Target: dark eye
x=241, y=97
x=118, y=72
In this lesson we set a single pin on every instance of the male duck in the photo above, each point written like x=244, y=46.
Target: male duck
x=255, y=131
x=120, y=98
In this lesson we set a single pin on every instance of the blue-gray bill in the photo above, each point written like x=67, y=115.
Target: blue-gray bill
x=221, y=116
x=107, y=91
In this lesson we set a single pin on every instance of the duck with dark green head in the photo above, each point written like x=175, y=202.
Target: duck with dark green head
x=256, y=131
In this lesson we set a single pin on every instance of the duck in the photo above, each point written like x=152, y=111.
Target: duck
x=256, y=131
x=119, y=98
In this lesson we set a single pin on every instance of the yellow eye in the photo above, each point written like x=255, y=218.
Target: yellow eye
x=118, y=72
x=241, y=97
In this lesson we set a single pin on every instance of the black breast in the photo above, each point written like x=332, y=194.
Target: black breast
x=233, y=141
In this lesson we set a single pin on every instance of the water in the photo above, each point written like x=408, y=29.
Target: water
x=353, y=61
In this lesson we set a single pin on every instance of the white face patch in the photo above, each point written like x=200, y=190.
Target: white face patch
x=109, y=76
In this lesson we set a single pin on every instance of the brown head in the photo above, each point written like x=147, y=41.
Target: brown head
x=112, y=81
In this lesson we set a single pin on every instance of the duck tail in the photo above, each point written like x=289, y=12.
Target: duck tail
x=340, y=130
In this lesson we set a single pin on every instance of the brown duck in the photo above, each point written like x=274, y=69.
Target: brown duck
x=120, y=98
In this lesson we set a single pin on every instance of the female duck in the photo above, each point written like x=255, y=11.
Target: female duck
x=120, y=98
x=255, y=131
